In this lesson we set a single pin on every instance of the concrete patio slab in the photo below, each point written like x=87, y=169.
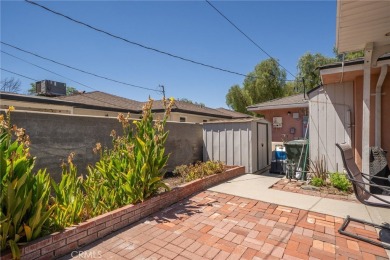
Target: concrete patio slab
x=257, y=187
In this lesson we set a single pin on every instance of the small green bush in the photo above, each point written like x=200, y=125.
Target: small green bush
x=340, y=181
x=199, y=170
x=318, y=182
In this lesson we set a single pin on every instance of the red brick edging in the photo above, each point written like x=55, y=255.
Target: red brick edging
x=64, y=242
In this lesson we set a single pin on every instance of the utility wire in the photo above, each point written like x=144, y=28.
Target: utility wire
x=18, y=74
x=250, y=39
x=135, y=43
x=35, y=65
x=77, y=82
x=80, y=70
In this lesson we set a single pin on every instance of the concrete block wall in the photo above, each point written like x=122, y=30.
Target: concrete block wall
x=55, y=136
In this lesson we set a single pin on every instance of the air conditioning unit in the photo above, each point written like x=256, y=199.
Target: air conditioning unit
x=277, y=122
x=50, y=88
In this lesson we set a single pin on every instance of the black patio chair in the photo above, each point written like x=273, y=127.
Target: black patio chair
x=360, y=182
x=379, y=168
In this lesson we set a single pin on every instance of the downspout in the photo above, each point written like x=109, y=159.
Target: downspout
x=378, y=108
x=366, y=107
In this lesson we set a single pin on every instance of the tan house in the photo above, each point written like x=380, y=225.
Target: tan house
x=288, y=115
x=98, y=103
x=353, y=104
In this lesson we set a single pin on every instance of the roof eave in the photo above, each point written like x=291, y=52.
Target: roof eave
x=352, y=66
x=32, y=99
x=179, y=110
x=254, y=109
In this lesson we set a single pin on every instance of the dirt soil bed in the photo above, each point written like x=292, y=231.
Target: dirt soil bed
x=324, y=192
x=173, y=181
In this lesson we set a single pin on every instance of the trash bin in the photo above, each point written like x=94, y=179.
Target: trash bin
x=297, y=153
x=279, y=159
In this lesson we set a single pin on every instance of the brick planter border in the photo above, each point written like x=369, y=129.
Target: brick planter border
x=72, y=238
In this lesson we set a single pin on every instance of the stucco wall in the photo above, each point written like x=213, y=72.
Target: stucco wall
x=54, y=136
x=283, y=133
x=358, y=100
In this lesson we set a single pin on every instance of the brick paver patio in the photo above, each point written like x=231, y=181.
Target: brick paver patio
x=212, y=225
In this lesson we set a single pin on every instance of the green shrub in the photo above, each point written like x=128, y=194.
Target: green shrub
x=68, y=197
x=199, y=170
x=24, y=196
x=318, y=182
x=340, y=181
x=180, y=170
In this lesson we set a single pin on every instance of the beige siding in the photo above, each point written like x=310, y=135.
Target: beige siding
x=330, y=110
x=28, y=106
x=175, y=116
x=92, y=112
x=31, y=106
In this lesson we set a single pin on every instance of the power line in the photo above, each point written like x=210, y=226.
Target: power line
x=35, y=65
x=74, y=68
x=86, y=96
x=18, y=74
x=250, y=39
x=135, y=43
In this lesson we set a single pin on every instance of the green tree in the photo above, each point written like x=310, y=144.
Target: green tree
x=290, y=88
x=31, y=90
x=186, y=100
x=308, y=72
x=238, y=99
x=347, y=56
x=266, y=82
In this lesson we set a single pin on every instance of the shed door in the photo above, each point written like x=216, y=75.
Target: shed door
x=262, y=146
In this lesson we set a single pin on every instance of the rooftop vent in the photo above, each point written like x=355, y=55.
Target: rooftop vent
x=50, y=88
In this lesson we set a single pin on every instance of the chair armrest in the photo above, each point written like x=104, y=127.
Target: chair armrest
x=376, y=177
x=370, y=184
x=373, y=183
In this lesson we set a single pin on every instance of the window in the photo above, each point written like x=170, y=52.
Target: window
x=204, y=121
x=182, y=119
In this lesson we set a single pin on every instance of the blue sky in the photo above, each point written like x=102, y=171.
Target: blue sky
x=191, y=29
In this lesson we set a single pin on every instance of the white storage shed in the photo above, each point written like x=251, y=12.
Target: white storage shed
x=245, y=142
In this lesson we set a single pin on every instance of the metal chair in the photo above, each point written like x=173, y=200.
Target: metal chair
x=360, y=182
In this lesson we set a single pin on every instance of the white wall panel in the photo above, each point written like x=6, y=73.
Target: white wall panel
x=329, y=107
x=235, y=143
